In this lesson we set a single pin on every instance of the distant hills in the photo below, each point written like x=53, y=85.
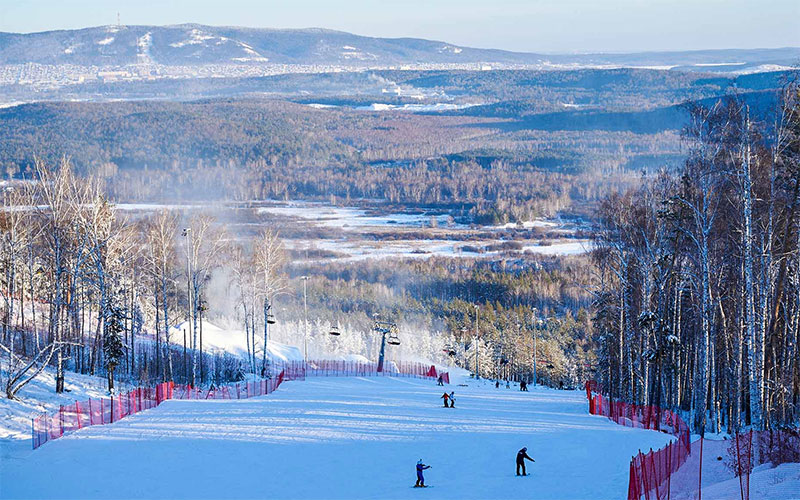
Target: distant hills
x=192, y=44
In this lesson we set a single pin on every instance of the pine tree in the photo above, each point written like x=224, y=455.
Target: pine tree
x=113, y=348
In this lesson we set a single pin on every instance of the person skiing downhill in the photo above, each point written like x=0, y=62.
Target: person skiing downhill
x=445, y=396
x=452, y=399
x=521, y=456
x=420, y=478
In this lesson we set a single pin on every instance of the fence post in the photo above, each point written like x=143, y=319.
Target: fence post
x=700, y=473
x=78, y=414
x=33, y=435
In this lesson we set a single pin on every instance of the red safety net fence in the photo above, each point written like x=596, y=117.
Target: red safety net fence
x=682, y=469
x=338, y=368
x=81, y=414
x=239, y=390
x=101, y=411
x=650, y=472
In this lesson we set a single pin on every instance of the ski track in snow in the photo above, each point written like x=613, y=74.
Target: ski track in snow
x=341, y=438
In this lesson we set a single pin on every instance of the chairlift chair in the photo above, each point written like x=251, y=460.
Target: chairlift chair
x=270, y=319
x=335, y=330
x=393, y=340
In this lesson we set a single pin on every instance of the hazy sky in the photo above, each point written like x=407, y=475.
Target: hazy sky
x=523, y=25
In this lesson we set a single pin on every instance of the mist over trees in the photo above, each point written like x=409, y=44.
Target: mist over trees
x=86, y=289
x=698, y=305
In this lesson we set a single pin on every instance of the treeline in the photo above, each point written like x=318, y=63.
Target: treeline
x=253, y=149
x=84, y=289
x=698, y=306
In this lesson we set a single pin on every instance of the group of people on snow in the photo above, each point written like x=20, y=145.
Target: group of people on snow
x=449, y=402
x=523, y=385
x=522, y=455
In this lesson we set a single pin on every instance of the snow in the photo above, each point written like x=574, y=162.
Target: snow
x=567, y=248
x=719, y=483
x=106, y=41
x=152, y=207
x=353, y=437
x=450, y=48
x=234, y=342
x=143, y=44
x=37, y=397
x=437, y=106
x=766, y=482
x=349, y=217
x=529, y=224
x=711, y=65
x=196, y=37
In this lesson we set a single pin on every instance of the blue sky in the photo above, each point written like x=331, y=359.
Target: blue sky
x=522, y=25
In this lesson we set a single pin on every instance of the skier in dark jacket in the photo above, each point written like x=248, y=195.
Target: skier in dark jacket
x=420, y=478
x=446, y=397
x=521, y=456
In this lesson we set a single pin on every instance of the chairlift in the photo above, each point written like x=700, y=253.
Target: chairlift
x=335, y=330
x=393, y=340
x=270, y=319
x=450, y=350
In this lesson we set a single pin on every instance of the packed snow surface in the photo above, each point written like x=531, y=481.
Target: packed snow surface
x=216, y=339
x=341, y=438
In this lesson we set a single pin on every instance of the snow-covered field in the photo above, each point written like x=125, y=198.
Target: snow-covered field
x=39, y=396
x=719, y=482
x=341, y=438
x=349, y=217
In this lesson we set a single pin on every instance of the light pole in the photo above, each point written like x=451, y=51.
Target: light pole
x=535, y=329
x=305, y=309
x=187, y=233
x=269, y=319
x=477, y=351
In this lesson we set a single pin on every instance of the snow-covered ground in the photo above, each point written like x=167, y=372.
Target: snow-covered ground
x=39, y=396
x=349, y=217
x=216, y=339
x=341, y=438
x=719, y=482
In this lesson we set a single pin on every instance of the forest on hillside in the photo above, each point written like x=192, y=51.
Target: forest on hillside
x=698, y=306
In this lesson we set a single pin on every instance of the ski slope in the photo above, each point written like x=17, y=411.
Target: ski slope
x=341, y=438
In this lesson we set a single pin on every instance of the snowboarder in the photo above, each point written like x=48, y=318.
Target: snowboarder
x=446, y=396
x=521, y=456
x=452, y=399
x=439, y=381
x=523, y=386
x=420, y=478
